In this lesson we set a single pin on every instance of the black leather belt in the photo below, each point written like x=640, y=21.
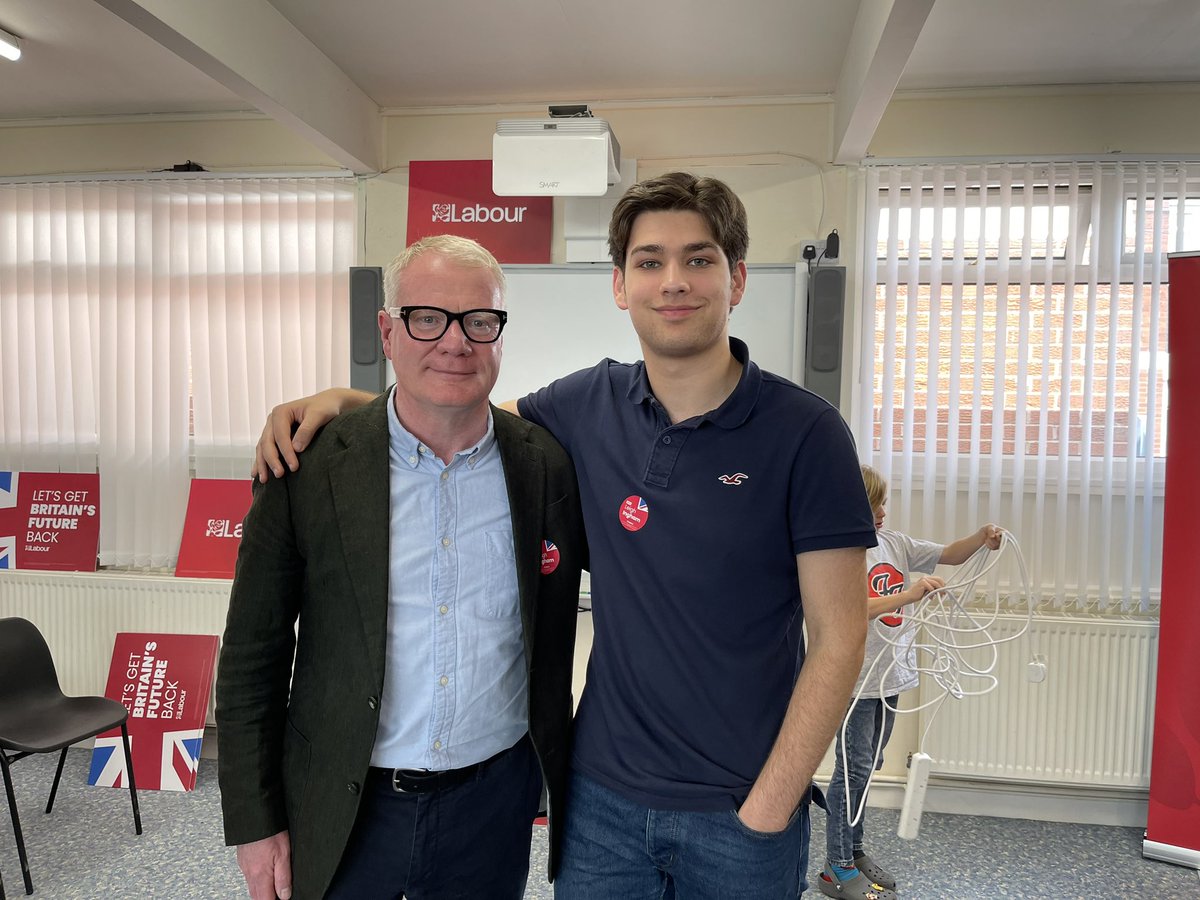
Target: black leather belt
x=424, y=781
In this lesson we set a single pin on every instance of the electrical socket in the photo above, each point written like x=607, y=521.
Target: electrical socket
x=818, y=244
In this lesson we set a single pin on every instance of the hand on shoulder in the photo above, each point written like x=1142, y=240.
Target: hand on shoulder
x=291, y=425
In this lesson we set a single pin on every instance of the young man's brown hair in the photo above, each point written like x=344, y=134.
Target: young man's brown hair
x=682, y=191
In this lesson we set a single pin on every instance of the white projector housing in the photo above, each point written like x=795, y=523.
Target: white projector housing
x=557, y=157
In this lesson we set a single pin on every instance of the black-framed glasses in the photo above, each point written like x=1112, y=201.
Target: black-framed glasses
x=429, y=323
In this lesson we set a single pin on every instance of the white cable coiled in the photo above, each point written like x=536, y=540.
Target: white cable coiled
x=944, y=631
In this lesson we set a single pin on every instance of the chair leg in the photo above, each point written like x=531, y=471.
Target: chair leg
x=16, y=820
x=137, y=814
x=62, y=758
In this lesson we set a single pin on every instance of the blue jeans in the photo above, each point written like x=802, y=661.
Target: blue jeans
x=613, y=847
x=866, y=720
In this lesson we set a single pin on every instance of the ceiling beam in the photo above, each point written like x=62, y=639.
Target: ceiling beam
x=885, y=32
x=251, y=49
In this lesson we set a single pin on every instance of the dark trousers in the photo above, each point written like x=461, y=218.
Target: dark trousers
x=468, y=841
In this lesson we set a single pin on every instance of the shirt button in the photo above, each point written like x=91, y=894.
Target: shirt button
x=443, y=609
x=666, y=439
x=412, y=460
x=445, y=475
x=352, y=787
x=445, y=542
x=372, y=702
x=437, y=745
x=443, y=681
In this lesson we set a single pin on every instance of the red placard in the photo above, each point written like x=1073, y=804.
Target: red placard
x=49, y=520
x=1173, y=820
x=164, y=680
x=455, y=197
x=212, y=527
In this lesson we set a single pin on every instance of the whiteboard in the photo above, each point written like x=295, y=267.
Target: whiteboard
x=562, y=318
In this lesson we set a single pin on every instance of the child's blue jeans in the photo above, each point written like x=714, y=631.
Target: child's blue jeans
x=866, y=720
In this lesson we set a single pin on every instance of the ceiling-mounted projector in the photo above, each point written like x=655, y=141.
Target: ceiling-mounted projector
x=574, y=156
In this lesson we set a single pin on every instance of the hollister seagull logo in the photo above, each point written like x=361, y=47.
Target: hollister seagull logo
x=733, y=479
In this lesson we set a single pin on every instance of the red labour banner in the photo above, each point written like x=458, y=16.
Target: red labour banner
x=212, y=527
x=455, y=197
x=49, y=520
x=1173, y=817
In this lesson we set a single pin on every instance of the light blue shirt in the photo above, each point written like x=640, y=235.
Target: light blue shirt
x=455, y=685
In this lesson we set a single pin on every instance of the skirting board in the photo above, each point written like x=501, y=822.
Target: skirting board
x=1008, y=800
x=1180, y=856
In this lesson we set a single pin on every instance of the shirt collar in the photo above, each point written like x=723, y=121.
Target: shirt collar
x=409, y=450
x=737, y=406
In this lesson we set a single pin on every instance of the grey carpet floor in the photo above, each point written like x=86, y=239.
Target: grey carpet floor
x=86, y=849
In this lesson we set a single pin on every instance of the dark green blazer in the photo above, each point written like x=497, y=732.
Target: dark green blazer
x=312, y=584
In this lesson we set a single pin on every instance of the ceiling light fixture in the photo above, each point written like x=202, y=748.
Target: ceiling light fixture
x=10, y=45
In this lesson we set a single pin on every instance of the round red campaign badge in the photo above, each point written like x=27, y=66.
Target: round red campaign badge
x=550, y=557
x=634, y=513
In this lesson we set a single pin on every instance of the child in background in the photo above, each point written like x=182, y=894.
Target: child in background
x=849, y=871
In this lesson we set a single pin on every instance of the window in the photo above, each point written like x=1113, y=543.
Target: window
x=1017, y=361
x=148, y=325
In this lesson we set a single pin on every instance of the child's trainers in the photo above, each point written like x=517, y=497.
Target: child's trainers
x=857, y=888
x=874, y=872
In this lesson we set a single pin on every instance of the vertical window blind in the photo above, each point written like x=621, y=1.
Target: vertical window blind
x=1015, y=361
x=146, y=327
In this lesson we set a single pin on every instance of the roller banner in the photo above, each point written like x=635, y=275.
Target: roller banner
x=1173, y=820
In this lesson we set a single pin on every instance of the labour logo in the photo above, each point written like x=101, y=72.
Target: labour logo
x=634, y=513
x=883, y=580
x=550, y=557
x=442, y=212
x=733, y=479
x=222, y=528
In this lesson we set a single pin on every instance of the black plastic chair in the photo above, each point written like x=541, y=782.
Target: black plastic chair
x=36, y=717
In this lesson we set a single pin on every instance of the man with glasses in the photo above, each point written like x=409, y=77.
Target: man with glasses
x=430, y=554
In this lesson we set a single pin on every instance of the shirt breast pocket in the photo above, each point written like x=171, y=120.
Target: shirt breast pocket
x=500, y=600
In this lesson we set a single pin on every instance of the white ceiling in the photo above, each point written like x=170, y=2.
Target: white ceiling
x=328, y=68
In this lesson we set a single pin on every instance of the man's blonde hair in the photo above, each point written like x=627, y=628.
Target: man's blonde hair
x=876, y=485
x=461, y=250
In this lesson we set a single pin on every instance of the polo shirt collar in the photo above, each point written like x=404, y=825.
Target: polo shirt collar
x=737, y=406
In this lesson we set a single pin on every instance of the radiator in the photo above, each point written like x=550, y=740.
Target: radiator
x=1089, y=723
x=79, y=613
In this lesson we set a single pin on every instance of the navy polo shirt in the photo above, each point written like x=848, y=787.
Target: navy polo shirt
x=693, y=531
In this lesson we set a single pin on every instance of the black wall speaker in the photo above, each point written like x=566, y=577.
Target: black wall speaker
x=367, y=371
x=823, y=336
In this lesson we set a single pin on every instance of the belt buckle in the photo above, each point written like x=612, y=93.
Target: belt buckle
x=400, y=777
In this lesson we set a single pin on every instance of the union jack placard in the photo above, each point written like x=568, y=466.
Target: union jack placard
x=164, y=680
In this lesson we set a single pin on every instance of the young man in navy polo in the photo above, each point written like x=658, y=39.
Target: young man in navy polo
x=724, y=509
